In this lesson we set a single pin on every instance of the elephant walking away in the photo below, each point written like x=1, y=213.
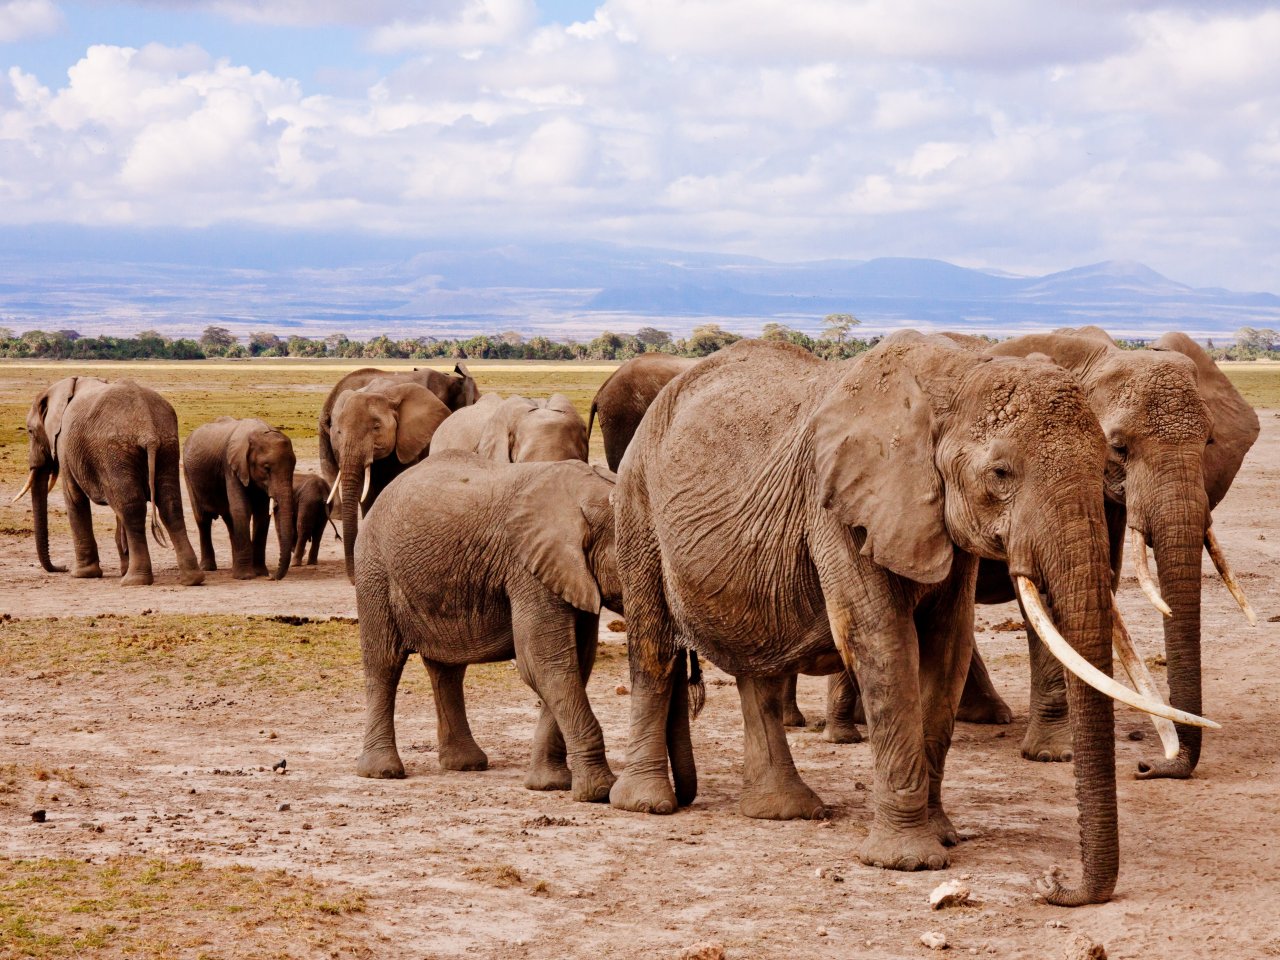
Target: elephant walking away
x=839, y=517
x=115, y=444
x=311, y=506
x=455, y=391
x=622, y=400
x=516, y=430
x=236, y=470
x=464, y=560
x=378, y=432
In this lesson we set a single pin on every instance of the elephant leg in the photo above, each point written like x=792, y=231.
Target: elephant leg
x=458, y=749
x=261, y=527
x=771, y=787
x=239, y=529
x=190, y=572
x=547, y=654
x=842, y=704
x=204, y=529
x=314, y=556
x=1048, y=736
x=135, y=527
x=86, y=547
x=980, y=703
x=791, y=715
x=548, y=767
x=122, y=545
x=300, y=544
x=383, y=656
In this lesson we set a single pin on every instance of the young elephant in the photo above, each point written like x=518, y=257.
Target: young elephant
x=235, y=469
x=311, y=506
x=464, y=560
x=516, y=430
x=117, y=445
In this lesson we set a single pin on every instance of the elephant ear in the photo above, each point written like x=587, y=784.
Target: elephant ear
x=873, y=445
x=1073, y=350
x=238, y=450
x=1089, y=332
x=549, y=532
x=499, y=435
x=1235, y=425
x=50, y=408
x=470, y=392
x=418, y=413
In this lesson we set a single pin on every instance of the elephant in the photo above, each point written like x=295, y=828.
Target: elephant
x=837, y=519
x=117, y=445
x=622, y=399
x=1177, y=432
x=377, y=432
x=516, y=430
x=465, y=560
x=311, y=507
x=455, y=391
x=236, y=470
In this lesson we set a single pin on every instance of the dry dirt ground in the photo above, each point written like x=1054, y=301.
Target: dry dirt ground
x=149, y=737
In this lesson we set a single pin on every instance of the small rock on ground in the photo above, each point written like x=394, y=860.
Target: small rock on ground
x=953, y=893
x=710, y=950
x=1082, y=948
x=934, y=941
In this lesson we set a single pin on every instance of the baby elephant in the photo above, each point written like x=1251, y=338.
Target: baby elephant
x=465, y=560
x=311, y=506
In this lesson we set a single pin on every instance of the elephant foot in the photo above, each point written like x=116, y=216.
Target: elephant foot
x=191, y=578
x=1179, y=768
x=241, y=573
x=1048, y=741
x=141, y=579
x=463, y=756
x=781, y=799
x=917, y=849
x=88, y=571
x=545, y=775
x=210, y=565
x=592, y=785
x=984, y=709
x=643, y=794
x=262, y=572
x=380, y=765
x=792, y=717
x=943, y=828
x=842, y=733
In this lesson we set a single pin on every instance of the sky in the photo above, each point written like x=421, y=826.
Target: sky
x=1018, y=136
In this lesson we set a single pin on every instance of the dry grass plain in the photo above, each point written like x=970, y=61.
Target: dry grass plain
x=146, y=722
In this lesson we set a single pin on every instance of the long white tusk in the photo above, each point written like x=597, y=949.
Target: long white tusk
x=1138, y=545
x=333, y=494
x=368, y=478
x=1082, y=668
x=1224, y=570
x=1122, y=643
x=53, y=481
x=271, y=506
x=31, y=478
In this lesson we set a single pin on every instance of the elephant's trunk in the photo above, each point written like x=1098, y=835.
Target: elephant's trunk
x=1075, y=571
x=41, y=482
x=1177, y=533
x=286, y=523
x=351, y=478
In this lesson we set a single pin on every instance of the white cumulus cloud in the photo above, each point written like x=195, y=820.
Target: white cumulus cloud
x=23, y=19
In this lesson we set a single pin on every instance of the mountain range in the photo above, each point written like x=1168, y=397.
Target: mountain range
x=118, y=282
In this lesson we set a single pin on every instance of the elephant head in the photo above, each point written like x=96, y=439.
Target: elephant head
x=263, y=456
x=925, y=447
x=1176, y=432
x=383, y=426
x=562, y=530
x=522, y=431
x=44, y=426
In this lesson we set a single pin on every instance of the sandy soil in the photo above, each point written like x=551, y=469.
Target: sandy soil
x=1200, y=858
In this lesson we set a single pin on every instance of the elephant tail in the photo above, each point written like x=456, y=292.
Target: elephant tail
x=336, y=535
x=697, y=688
x=591, y=420
x=157, y=531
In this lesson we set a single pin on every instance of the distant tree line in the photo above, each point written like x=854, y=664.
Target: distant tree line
x=218, y=342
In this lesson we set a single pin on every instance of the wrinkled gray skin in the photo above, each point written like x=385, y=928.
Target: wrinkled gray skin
x=456, y=391
x=384, y=427
x=1177, y=433
x=310, y=503
x=113, y=444
x=234, y=469
x=516, y=430
x=464, y=560
x=845, y=508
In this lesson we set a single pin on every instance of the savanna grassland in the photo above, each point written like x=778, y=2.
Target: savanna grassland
x=149, y=724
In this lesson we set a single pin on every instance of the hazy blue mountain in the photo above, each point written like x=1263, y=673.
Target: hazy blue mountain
x=178, y=282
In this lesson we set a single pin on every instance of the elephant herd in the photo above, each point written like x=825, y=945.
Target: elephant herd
x=766, y=510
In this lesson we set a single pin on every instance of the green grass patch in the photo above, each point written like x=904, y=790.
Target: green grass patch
x=134, y=907
x=1258, y=383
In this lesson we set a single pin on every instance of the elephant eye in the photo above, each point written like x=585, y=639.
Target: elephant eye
x=1120, y=450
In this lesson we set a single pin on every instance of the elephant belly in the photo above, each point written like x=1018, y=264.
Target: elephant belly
x=448, y=634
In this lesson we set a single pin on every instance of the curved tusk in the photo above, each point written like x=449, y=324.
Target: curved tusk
x=1082, y=668
x=272, y=505
x=53, y=480
x=368, y=478
x=1224, y=570
x=1138, y=544
x=1122, y=643
x=31, y=478
x=333, y=494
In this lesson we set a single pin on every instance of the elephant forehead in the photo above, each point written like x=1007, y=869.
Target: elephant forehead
x=1154, y=396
